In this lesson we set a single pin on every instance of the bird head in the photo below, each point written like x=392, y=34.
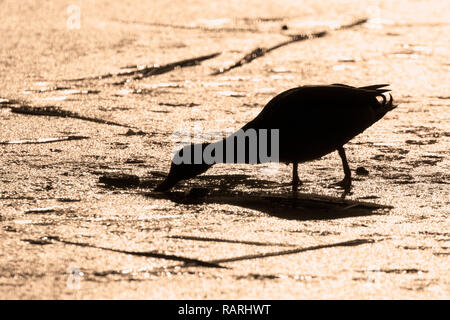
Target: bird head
x=184, y=167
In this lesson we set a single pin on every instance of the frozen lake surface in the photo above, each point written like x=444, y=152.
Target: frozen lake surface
x=66, y=235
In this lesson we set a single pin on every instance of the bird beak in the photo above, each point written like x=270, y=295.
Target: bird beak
x=166, y=185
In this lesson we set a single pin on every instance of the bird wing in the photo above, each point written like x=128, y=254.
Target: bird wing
x=316, y=110
x=299, y=102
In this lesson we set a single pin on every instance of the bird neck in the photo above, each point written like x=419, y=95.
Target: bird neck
x=243, y=146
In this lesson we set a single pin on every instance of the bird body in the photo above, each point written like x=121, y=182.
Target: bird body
x=316, y=120
x=311, y=121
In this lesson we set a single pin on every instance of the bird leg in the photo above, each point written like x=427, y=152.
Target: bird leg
x=346, y=183
x=295, y=179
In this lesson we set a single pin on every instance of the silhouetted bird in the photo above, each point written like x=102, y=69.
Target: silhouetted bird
x=312, y=122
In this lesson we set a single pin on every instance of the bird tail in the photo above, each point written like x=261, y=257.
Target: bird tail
x=376, y=87
x=377, y=90
x=385, y=105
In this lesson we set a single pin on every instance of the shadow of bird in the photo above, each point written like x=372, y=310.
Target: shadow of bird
x=311, y=121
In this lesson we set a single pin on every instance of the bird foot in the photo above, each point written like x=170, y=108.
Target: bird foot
x=296, y=184
x=341, y=184
x=345, y=184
